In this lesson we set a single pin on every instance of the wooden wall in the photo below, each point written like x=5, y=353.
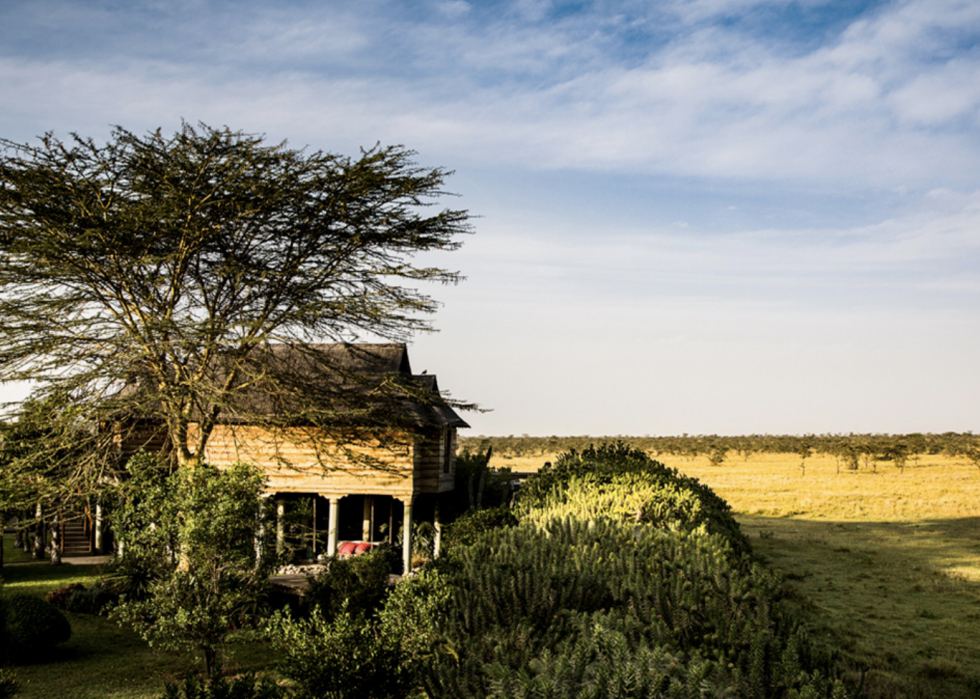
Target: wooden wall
x=296, y=461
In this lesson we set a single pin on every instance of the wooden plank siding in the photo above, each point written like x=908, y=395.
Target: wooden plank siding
x=402, y=465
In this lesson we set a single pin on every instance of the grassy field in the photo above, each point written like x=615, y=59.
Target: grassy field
x=889, y=560
x=102, y=659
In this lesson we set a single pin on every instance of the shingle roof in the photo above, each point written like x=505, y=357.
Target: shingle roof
x=362, y=376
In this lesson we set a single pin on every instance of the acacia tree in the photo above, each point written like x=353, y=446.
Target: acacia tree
x=150, y=275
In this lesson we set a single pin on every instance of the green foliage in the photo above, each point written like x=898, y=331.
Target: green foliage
x=78, y=599
x=33, y=627
x=622, y=483
x=408, y=621
x=8, y=683
x=47, y=455
x=472, y=523
x=218, y=687
x=164, y=261
x=91, y=600
x=355, y=583
x=614, y=609
x=476, y=484
x=343, y=658
x=195, y=531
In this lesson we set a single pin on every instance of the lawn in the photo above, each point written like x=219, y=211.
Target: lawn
x=103, y=660
x=888, y=560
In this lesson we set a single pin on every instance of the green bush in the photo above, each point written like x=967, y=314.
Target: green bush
x=356, y=583
x=60, y=596
x=91, y=600
x=245, y=687
x=615, y=481
x=33, y=627
x=576, y=608
x=343, y=658
x=8, y=683
x=471, y=524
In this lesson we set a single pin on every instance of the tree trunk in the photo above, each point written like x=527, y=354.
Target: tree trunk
x=210, y=658
x=56, y=540
x=38, y=553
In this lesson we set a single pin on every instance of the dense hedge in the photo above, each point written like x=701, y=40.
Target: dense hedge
x=576, y=608
x=619, y=482
x=33, y=627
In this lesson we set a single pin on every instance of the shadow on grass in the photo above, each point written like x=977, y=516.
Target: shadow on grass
x=899, y=600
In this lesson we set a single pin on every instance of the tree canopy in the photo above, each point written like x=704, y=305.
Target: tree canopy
x=148, y=275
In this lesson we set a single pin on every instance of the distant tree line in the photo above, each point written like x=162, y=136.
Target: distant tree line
x=852, y=451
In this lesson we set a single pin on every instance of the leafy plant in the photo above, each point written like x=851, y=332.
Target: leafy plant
x=619, y=482
x=33, y=627
x=357, y=584
x=343, y=658
x=473, y=523
x=218, y=687
x=195, y=532
x=8, y=683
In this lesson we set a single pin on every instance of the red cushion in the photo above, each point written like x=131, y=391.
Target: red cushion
x=347, y=548
x=361, y=548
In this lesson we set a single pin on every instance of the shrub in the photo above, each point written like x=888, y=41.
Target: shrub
x=577, y=608
x=618, y=482
x=8, y=683
x=342, y=658
x=208, y=519
x=60, y=596
x=473, y=523
x=357, y=583
x=244, y=687
x=33, y=627
x=91, y=600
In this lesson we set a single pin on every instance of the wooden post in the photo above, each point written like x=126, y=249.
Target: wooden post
x=437, y=544
x=366, y=518
x=98, y=526
x=407, y=536
x=332, y=527
x=280, y=526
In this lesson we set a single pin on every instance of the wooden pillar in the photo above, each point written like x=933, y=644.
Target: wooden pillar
x=437, y=544
x=280, y=526
x=98, y=527
x=333, y=526
x=407, y=536
x=367, y=519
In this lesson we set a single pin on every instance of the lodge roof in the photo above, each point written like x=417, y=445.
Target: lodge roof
x=344, y=383
x=364, y=376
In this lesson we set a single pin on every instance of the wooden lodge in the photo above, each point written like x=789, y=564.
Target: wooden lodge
x=360, y=484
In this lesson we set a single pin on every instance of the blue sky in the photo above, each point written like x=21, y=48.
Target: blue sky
x=701, y=216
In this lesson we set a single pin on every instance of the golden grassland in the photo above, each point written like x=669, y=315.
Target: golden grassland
x=888, y=560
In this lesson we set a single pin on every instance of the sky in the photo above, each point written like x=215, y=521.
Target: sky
x=690, y=216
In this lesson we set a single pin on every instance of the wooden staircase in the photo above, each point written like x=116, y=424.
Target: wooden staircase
x=76, y=535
